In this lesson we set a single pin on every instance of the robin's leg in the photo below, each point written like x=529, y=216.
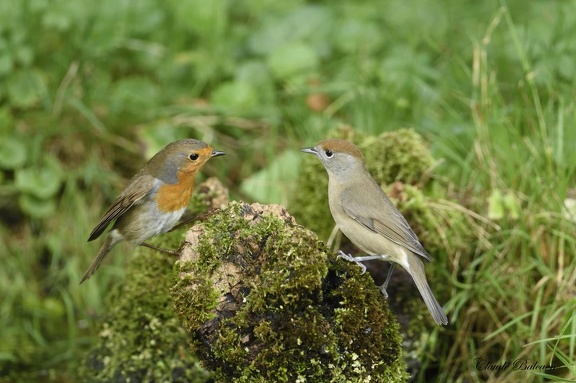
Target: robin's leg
x=199, y=217
x=171, y=252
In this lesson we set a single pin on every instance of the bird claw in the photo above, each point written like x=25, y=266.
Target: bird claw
x=383, y=290
x=350, y=258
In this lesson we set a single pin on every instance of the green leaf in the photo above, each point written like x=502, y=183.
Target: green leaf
x=6, y=64
x=272, y=184
x=253, y=72
x=495, y=205
x=311, y=23
x=135, y=94
x=35, y=207
x=358, y=35
x=512, y=205
x=238, y=95
x=205, y=18
x=293, y=59
x=6, y=123
x=26, y=87
x=53, y=307
x=569, y=209
x=13, y=153
x=42, y=182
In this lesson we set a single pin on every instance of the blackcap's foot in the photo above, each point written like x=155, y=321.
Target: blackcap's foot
x=385, y=284
x=350, y=258
x=383, y=289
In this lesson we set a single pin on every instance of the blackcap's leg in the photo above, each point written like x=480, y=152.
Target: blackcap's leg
x=387, y=281
x=359, y=260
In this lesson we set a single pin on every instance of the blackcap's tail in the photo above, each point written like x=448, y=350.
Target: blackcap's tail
x=417, y=273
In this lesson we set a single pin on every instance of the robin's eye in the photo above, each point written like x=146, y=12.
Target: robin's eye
x=193, y=156
x=329, y=153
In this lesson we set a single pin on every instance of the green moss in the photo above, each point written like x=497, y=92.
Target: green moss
x=141, y=339
x=400, y=155
x=263, y=303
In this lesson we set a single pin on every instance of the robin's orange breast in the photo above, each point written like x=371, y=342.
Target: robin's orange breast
x=173, y=197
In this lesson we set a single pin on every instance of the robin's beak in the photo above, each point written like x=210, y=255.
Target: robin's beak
x=310, y=151
x=216, y=153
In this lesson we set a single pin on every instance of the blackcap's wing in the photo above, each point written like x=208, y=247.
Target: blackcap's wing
x=377, y=213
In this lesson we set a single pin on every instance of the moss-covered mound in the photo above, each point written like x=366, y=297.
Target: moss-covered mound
x=141, y=339
x=263, y=303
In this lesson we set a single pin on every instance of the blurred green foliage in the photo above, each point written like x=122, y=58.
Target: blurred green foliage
x=88, y=90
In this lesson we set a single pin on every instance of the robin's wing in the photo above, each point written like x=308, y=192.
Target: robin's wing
x=137, y=188
x=381, y=216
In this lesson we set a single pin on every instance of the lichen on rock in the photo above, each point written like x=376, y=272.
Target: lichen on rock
x=264, y=301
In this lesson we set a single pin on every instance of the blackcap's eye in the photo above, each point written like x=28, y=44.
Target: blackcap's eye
x=193, y=156
x=329, y=153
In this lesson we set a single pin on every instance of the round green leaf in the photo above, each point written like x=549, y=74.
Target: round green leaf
x=26, y=87
x=36, y=207
x=40, y=182
x=274, y=183
x=237, y=95
x=53, y=307
x=135, y=94
x=293, y=59
x=6, y=64
x=12, y=153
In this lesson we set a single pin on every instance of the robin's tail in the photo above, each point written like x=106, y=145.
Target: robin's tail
x=417, y=273
x=111, y=240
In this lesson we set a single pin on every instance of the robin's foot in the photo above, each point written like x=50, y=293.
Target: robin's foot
x=171, y=252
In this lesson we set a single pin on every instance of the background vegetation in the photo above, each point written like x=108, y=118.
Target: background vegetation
x=89, y=90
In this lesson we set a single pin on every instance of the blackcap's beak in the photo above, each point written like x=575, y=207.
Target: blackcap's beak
x=310, y=151
x=217, y=153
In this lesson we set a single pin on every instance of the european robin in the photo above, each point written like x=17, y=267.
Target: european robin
x=370, y=220
x=155, y=198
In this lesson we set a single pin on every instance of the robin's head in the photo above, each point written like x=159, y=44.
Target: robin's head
x=180, y=158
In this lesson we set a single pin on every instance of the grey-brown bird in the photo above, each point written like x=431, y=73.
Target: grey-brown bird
x=370, y=220
x=155, y=198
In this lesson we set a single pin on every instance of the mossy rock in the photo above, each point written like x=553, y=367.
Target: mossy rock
x=141, y=339
x=264, y=301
